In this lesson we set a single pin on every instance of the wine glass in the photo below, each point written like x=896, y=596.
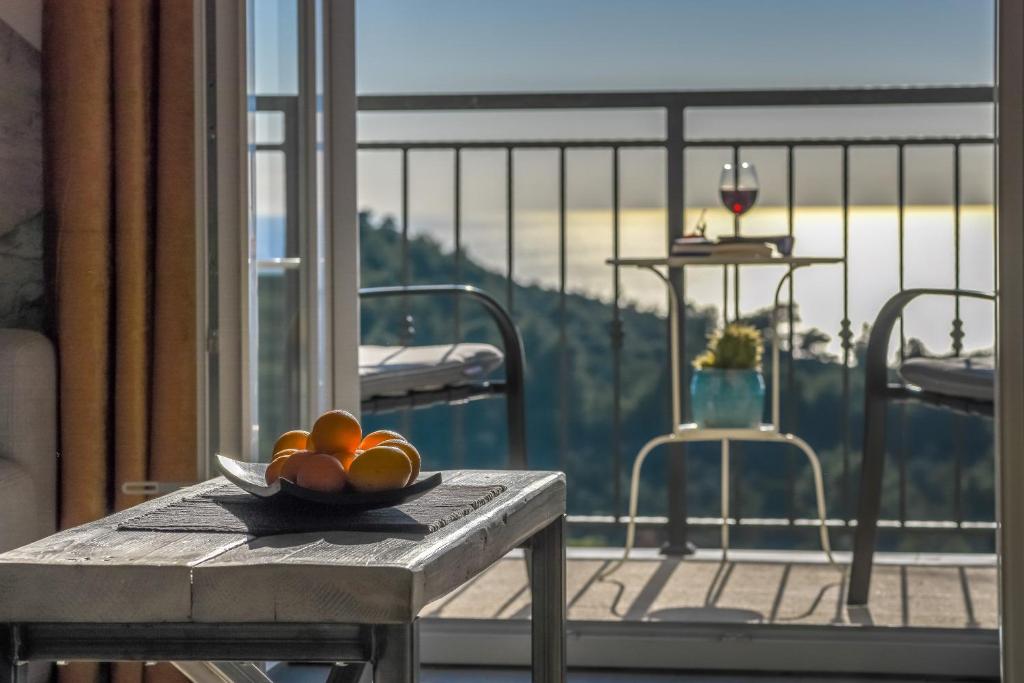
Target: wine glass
x=738, y=193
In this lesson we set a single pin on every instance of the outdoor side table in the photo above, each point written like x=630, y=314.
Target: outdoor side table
x=689, y=432
x=103, y=594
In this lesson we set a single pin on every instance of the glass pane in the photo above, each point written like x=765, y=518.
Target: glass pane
x=274, y=47
x=267, y=127
x=270, y=201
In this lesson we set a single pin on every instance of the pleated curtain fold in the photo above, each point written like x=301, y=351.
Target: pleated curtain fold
x=119, y=122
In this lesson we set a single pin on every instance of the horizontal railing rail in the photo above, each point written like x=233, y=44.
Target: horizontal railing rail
x=780, y=97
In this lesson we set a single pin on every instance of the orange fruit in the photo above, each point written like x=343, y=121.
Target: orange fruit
x=411, y=452
x=381, y=468
x=321, y=472
x=335, y=431
x=274, y=468
x=380, y=436
x=290, y=469
x=296, y=439
x=346, y=458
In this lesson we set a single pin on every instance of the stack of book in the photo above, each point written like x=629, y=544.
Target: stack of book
x=735, y=247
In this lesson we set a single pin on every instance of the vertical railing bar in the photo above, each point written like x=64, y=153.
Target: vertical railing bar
x=790, y=382
x=725, y=295
x=405, y=215
x=957, y=322
x=958, y=449
x=901, y=207
x=509, y=230
x=458, y=422
x=616, y=340
x=406, y=331
x=563, y=355
x=902, y=411
x=846, y=336
x=405, y=242
x=509, y=236
x=736, y=233
x=736, y=471
x=957, y=422
x=457, y=224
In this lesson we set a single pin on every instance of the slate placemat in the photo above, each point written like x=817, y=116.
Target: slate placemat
x=229, y=509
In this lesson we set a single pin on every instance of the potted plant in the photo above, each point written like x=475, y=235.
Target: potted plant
x=727, y=390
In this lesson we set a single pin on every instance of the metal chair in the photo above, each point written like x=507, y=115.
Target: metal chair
x=949, y=382
x=406, y=388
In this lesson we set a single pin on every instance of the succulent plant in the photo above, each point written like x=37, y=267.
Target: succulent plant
x=737, y=347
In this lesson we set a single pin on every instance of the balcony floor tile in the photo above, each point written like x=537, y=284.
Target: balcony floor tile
x=947, y=595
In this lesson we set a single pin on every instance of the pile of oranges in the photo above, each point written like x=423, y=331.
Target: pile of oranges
x=334, y=456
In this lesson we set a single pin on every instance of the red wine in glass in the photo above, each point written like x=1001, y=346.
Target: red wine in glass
x=738, y=190
x=739, y=201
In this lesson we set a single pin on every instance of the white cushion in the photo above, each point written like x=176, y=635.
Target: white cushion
x=396, y=370
x=971, y=378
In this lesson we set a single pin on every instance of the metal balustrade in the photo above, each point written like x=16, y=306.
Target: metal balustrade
x=675, y=145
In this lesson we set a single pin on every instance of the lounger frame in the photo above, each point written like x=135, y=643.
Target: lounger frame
x=878, y=391
x=511, y=387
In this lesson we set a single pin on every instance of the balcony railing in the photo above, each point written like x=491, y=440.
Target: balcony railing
x=675, y=149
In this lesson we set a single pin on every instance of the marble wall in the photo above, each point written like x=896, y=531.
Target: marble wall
x=22, y=281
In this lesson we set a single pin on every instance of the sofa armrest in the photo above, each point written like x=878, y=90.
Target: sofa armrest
x=28, y=419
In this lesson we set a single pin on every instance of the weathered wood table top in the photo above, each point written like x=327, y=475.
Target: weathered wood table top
x=97, y=573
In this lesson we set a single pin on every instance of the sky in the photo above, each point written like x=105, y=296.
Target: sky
x=422, y=45
x=409, y=46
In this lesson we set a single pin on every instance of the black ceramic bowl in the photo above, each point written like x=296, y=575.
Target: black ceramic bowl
x=251, y=477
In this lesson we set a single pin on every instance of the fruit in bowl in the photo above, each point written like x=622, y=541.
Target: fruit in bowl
x=335, y=456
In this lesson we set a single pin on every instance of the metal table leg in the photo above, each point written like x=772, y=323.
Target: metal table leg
x=396, y=657
x=348, y=673
x=11, y=670
x=548, y=612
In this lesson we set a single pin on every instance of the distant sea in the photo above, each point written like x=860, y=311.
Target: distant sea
x=873, y=266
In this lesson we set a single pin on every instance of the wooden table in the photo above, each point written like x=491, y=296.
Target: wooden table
x=97, y=593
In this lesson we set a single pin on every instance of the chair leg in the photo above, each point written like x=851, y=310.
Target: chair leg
x=819, y=494
x=515, y=407
x=869, y=500
x=634, y=494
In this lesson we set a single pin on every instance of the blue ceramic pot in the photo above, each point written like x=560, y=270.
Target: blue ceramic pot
x=727, y=398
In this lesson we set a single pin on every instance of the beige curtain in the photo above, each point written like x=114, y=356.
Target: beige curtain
x=120, y=175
